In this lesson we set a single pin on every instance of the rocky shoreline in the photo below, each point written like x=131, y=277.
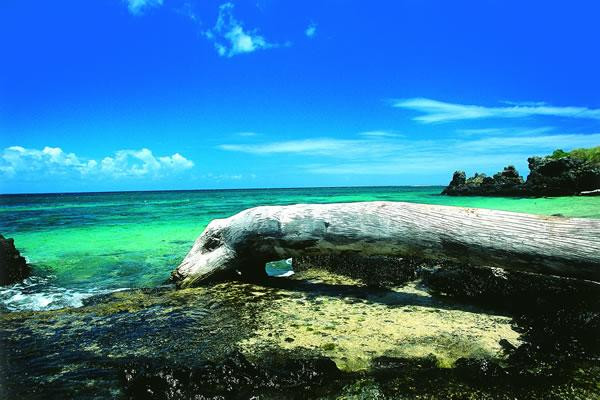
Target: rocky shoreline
x=335, y=329
x=13, y=266
x=555, y=175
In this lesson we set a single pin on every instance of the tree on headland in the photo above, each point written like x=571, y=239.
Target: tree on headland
x=591, y=155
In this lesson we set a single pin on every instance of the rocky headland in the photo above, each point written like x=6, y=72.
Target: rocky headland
x=560, y=174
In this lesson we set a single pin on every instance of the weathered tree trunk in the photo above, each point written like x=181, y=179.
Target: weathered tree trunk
x=243, y=243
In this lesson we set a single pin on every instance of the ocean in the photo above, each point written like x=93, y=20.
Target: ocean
x=84, y=244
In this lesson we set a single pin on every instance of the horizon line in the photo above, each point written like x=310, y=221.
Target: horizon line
x=214, y=189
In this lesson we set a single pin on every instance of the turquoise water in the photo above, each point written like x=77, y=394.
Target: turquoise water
x=85, y=244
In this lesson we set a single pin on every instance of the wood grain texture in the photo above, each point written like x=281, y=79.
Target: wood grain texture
x=243, y=243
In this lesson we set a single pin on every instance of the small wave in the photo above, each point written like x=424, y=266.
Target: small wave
x=38, y=293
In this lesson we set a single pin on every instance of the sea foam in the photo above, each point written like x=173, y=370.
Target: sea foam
x=38, y=293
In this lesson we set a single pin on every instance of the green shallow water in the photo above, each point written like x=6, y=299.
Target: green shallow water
x=84, y=244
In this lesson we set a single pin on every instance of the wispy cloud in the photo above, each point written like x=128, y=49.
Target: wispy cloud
x=311, y=30
x=228, y=177
x=417, y=164
x=439, y=111
x=510, y=131
x=480, y=154
x=319, y=146
x=230, y=38
x=528, y=143
x=23, y=163
x=525, y=103
x=137, y=7
x=380, y=134
x=187, y=10
x=384, y=154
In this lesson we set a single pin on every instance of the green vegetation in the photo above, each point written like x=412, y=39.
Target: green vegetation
x=591, y=155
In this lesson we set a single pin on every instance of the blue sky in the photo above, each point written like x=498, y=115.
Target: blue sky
x=190, y=94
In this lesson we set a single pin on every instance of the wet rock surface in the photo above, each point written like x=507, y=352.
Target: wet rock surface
x=564, y=176
x=13, y=266
x=318, y=334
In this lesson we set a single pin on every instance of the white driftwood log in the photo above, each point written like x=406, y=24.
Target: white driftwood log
x=243, y=243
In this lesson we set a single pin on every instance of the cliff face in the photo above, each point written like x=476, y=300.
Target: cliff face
x=565, y=176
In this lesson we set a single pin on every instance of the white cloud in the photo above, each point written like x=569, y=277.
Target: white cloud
x=311, y=30
x=439, y=111
x=176, y=161
x=136, y=7
x=230, y=38
x=17, y=161
x=137, y=163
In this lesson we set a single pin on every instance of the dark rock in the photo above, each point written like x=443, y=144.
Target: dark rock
x=559, y=318
x=510, y=175
x=558, y=334
x=379, y=271
x=549, y=176
x=398, y=365
x=507, y=182
x=512, y=290
x=235, y=377
x=459, y=178
x=13, y=267
x=507, y=346
x=562, y=176
x=473, y=367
